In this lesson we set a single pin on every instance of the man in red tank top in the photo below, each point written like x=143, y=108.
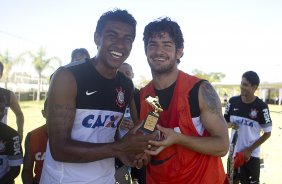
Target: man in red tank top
x=35, y=147
x=194, y=132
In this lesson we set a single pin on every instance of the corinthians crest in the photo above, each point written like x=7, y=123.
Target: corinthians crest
x=253, y=114
x=120, y=97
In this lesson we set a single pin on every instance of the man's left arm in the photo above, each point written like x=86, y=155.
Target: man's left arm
x=14, y=105
x=261, y=140
x=216, y=144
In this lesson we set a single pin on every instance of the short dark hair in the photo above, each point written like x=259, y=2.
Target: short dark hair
x=116, y=15
x=79, y=51
x=1, y=67
x=162, y=25
x=252, y=77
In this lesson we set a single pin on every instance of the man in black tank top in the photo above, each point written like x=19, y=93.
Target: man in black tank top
x=86, y=104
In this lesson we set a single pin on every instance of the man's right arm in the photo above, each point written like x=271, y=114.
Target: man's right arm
x=15, y=107
x=227, y=116
x=61, y=115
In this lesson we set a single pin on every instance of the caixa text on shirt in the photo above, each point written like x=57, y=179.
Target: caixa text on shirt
x=92, y=121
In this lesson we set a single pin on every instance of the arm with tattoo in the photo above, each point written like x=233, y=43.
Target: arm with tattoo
x=211, y=117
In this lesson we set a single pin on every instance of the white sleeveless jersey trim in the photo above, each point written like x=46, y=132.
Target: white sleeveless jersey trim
x=198, y=125
x=95, y=126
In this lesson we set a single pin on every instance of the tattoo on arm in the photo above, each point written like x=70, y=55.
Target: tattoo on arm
x=211, y=98
x=64, y=113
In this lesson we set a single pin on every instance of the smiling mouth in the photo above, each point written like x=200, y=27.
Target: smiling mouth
x=116, y=54
x=158, y=59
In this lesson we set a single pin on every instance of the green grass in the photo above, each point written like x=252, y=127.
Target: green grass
x=272, y=149
x=32, y=119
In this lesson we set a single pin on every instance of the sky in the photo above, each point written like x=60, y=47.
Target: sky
x=227, y=36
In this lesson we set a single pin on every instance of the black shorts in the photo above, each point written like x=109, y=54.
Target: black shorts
x=249, y=172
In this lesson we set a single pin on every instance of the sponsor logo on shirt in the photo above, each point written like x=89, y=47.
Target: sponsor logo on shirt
x=40, y=156
x=90, y=93
x=266, y=115
x=17, y=145
x=93, y=121
x=245, y=122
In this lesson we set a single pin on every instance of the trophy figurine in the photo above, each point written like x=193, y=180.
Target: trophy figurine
x=152, y=118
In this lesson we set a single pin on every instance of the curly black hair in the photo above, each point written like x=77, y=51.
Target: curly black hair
x=164, y=25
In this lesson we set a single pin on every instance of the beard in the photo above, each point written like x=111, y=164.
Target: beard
x=163, y=69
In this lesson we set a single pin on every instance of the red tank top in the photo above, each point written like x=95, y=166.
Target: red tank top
x=177, y=164
x=38, y=141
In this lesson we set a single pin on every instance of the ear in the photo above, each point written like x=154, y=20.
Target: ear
x=179, y=53
x=255, y=87
x=43, y=113
x=97, y=39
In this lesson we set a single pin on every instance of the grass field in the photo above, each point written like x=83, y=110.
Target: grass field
x=272, y=149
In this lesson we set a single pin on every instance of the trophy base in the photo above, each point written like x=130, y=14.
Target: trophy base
x=149, y=125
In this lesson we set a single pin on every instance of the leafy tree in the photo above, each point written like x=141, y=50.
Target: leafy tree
x=142, y=82
x=40, y=63
x=211, y=77
x=8, y=63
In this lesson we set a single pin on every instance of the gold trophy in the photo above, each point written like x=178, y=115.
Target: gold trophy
x=152, y=118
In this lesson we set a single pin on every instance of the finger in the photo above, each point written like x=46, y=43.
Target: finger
x=159, y=127
x=136, y=127
x=139, y=164
x=146, y=159
x=139, y=156
x=154, y=152
x=156, y=143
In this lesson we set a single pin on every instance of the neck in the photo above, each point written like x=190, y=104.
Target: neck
x=104, y=70
x=163, y=81
x=248, y=99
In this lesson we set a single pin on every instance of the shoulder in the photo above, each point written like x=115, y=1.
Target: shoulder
x=4, y=91
x=37, y=130
x=7, y=132
x=235, y=98
x=124, y=80
x=62, y=77
x=261, y=103
x=7, y=94
x=208, y=98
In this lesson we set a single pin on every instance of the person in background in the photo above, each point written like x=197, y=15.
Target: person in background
x=79, y=54
x=35, y=147
x=193, y=132
x=12, y=102
x=11, y=156
x=127, y=123
x=86, y=102
x=249, y=115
